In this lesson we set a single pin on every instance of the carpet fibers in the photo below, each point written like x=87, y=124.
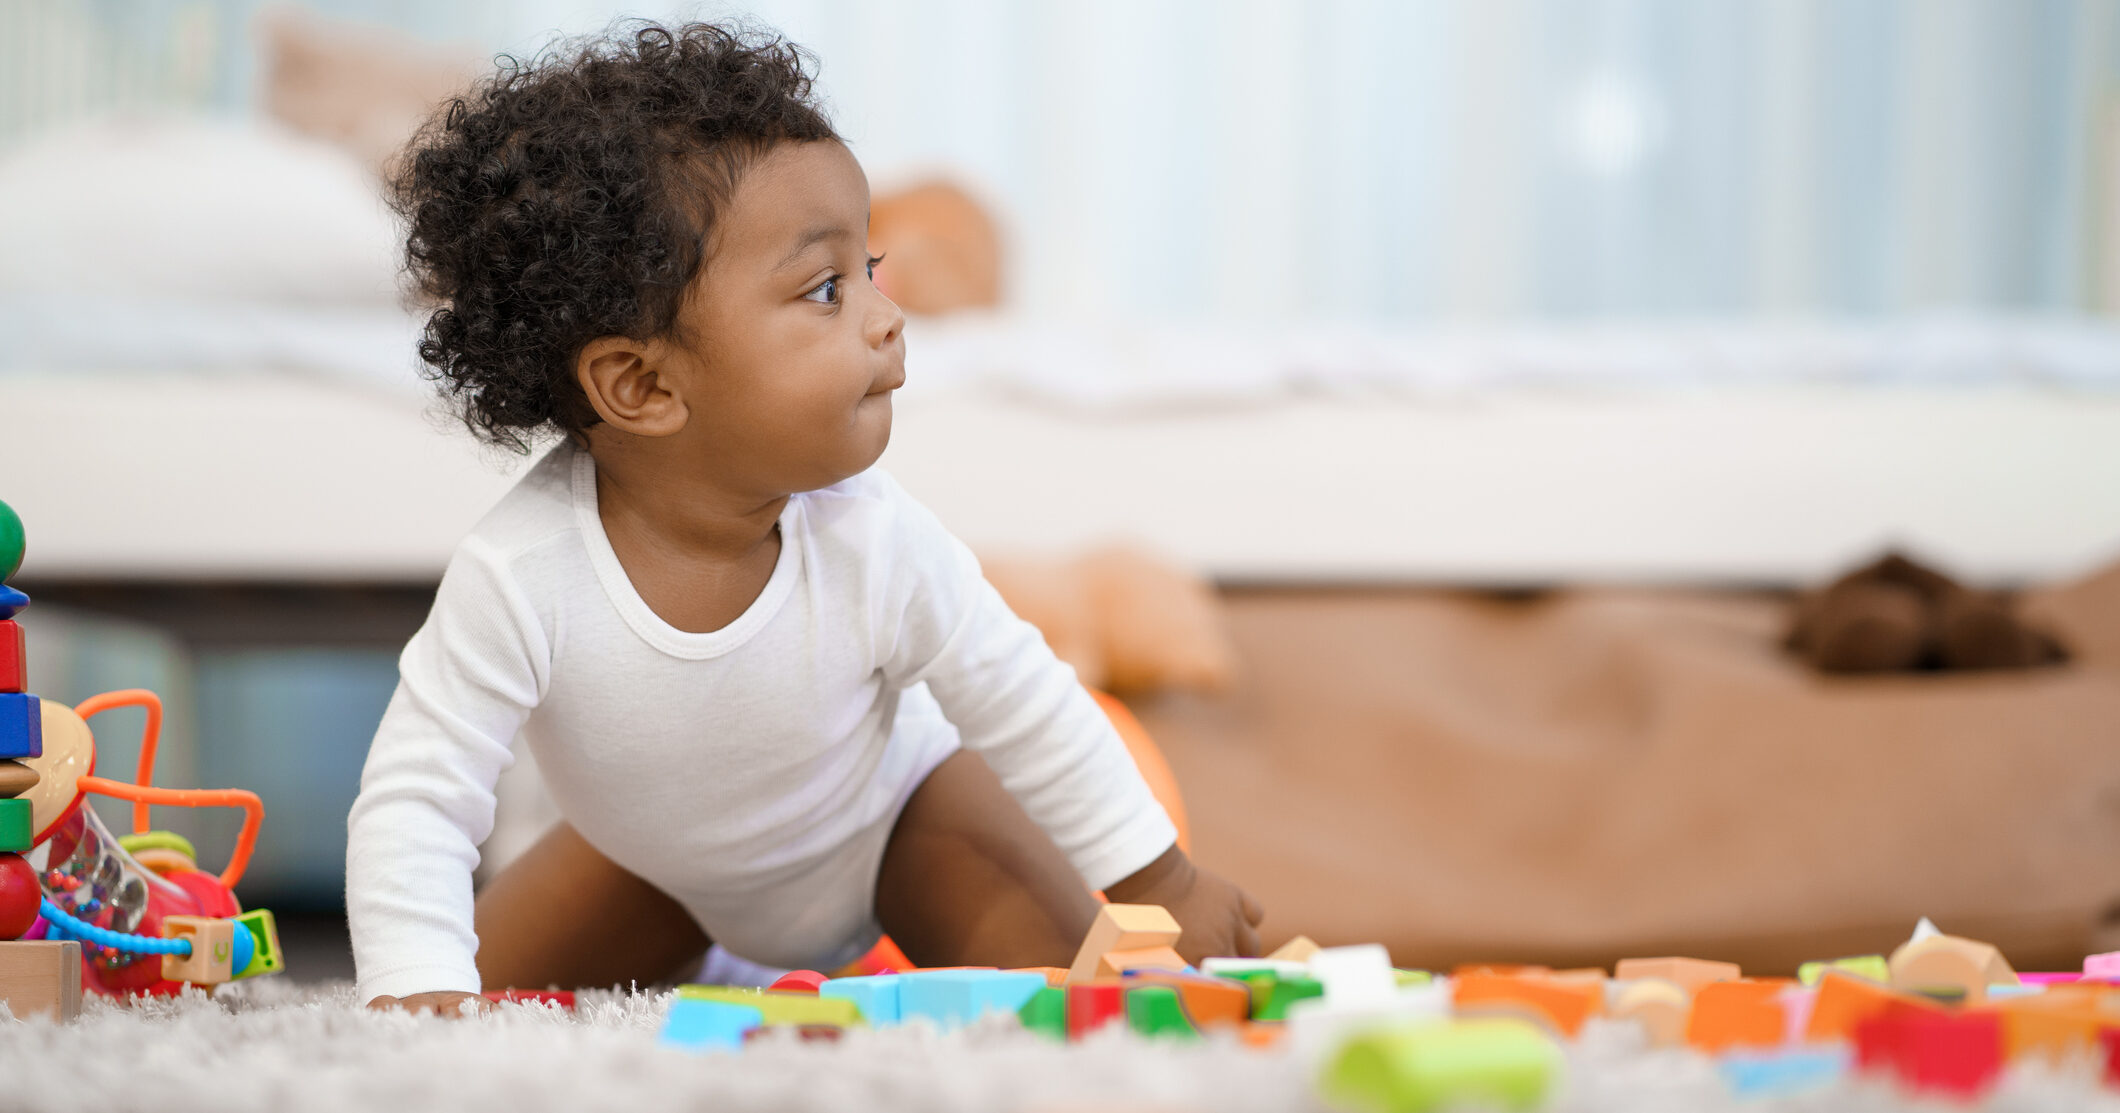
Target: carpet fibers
x=274, y=1045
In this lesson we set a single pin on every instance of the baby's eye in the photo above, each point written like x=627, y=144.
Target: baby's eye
x=826, y=293
x=872, y=266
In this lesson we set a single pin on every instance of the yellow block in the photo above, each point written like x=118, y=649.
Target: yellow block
x=780, y=1008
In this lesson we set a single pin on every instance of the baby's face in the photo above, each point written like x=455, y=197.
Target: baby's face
x=792, y=351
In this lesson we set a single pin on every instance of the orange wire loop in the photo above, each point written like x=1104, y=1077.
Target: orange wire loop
x=143, y=795
x=150, y=736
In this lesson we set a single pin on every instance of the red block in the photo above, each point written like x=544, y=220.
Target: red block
x=14, y=657
x=2110, y=1040
x=1959, y=1054
x=1091, y=1006
x=799, y=981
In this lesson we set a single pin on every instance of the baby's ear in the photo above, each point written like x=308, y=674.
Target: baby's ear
x=628, y=386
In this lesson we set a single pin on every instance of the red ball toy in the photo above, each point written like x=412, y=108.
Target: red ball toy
x=19, y=895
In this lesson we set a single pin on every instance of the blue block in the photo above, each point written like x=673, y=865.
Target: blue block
x=1752, y=1075
x=954, y=998
x=21, y=726
x=876, y=994
x=708, y=1025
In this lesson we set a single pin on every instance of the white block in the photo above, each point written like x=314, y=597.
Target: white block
x=1357, y=975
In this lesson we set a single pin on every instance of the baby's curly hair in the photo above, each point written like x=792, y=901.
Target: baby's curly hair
x=572, y=197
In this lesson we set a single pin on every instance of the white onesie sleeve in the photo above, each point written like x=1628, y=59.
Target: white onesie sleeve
x=466, y=682
x=1015, y=704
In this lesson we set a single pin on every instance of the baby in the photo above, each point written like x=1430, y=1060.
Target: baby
x=777, y=704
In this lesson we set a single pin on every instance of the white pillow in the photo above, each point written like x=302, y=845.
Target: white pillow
x=171, y=206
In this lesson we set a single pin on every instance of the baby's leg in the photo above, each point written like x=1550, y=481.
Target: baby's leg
x=969, y=880
x=563, y=914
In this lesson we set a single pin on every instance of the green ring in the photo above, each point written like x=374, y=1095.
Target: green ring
x=12, y=541
x=18, y=825
x=158, y=840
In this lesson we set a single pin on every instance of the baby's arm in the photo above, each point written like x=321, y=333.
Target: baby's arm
x=1025, y=712
x=467, y=680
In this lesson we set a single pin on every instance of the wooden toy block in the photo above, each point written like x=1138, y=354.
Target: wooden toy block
x=955, y=998
x=2105, y=966
x=265, y=944
x=16, y=778
x=213, y=949
x=1155, y=1010
x=1562, y=1007
x=1660, y=1007
x=1353, y=975
x=1298, y=949
x=1054, y=975
x=2056, y=1027
x=1869, y=967
x=1950, y=963
x=1117, y=963
x=1688, y=974
x=876, y=995
x=41, y=978
x=1092, y=1005
x=1210, y=1002
x=1738, y=1014
x=18, y=826
x=1406, y=978
x=14, y=658
x=1046, y=1013
x=798, y=981
x=1425, y=1066
x=699, y=1025
x=21, y=726
x=1319, y=1026
x=779, y=1008
x=1846, y=1000
x=1271, y=998
x=1958, y=1054
x=1122, y=927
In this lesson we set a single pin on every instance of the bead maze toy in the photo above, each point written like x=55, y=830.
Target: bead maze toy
x=79, y=908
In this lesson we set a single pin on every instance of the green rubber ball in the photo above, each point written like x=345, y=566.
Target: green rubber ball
x=11, y=541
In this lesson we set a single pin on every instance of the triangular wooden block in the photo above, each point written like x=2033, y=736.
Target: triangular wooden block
x=1112, y=964
x=1122, y=927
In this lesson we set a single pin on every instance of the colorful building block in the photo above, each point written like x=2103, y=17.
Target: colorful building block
x=1932, y=1051
x=1046, y=1013
x=18, y=826
x=701, y=1025
x=1950, y=963
x=1688, y=974
x=41, y=978
x=1298, y=949
x=2053, y=1025
x=213, y=950
x=1845, y=1000
x=1237, y=967
x=1318, y=1027
x=265, y=955
x=776, y=1009
x=1562, y=1006
x=1659, y=1007
x=1488, y=1063
x=14, y=657
x=1155, y=1010
x=1054, y=975
x=1272, y=996
x=1782, y=1073
x=876, y=995
x=798, y=981
x=21, y=726
x=1211, y=1002
x=16, y=778
x=1122, y=927
x=1738, y=1014
x=2105, y=966
x=1354, y=975
x=1092, y=1005
x=1115, y=964
x=954, y=998
x=1870, y=967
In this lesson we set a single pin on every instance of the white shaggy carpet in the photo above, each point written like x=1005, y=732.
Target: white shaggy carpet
x=272, y=1044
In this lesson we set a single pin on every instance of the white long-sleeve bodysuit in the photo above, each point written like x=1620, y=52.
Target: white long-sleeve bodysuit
x=753, y=773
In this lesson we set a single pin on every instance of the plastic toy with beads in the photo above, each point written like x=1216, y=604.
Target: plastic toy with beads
x=147, y=918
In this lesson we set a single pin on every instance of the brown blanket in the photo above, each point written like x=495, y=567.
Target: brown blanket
x=1593, y=774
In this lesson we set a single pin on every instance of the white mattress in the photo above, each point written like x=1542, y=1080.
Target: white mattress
x=265, y=475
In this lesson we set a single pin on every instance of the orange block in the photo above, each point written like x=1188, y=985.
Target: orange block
x=1209, y=1001
x=1123, y=927
x=1738, y=1014
x=1262, y=1034
x=1688, y=974
x=1507, y=969
x=1845, y=1000
x=1563, y=1005
x=2053, y=1025
x=1659, y=1007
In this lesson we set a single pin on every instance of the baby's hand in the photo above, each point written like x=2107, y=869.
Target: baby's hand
x=1215, y=917
x=443, y=1003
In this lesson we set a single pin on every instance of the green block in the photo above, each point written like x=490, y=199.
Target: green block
x=1873, y=967
x=1497, y=1062
x=1046, y=1013
x=11, y=541
x=265, y=933
x=780, y=1008
x=1283, y=993
x=1155, y=1010
x=18, y=827
x=1412, y=977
